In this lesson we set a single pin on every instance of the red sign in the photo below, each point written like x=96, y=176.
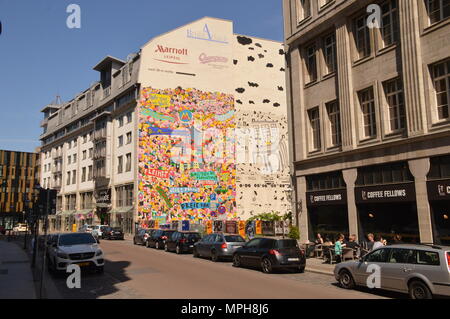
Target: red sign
x=171, y=55
x=157, y=173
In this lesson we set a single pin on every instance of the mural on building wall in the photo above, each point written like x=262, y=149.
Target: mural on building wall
x=186, y=164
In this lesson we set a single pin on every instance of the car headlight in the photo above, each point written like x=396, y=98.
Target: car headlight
x=62, y=255
x=98, y=253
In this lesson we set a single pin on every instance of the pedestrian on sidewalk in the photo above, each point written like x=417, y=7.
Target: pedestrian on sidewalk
x=338, y=248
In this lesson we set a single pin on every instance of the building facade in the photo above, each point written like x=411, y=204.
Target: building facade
x=193, y=127
x=19, y=173
x=369, y=117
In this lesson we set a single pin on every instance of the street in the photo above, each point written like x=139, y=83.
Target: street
x=139, y=272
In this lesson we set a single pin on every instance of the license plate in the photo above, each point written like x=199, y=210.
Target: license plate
x=83, y=264
x=237, y=246
x=191, y=246
x=293, y=259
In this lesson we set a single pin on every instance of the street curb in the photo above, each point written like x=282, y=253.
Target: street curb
x=322, y=272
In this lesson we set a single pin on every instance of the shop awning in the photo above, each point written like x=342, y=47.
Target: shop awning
x=103, y=205
x=83, y=212
x=122, y=210
x=68, y=212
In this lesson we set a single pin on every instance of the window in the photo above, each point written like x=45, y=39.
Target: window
x=439, y=168
x=128, y=167
x=394, y=96
x=120, y=140
x=85, y=139
x=68, y=178
x=437, y=10
x=441, y=80
x=84, y=155
x=384, y=174
x=69, y=159
x=91, y=151
x=304, y=9
x=334, y=118
x=311, y=63
x=83, y=174
x=129, y=138
x=119, y=164
x=129, y=117
x=378, y=256
x=427, y=258
x=326, y=181
x=124, y=195
x=329, y=52
x=389, y=27
x=74, y=158
x=121, y=121
x=74, y=143
x=367, y=103
x=402, y=256
x=361, y=37
x=314, y=119
x=74, y=177
x=90, y=173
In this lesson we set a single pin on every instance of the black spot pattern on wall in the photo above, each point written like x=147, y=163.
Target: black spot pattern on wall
x=282, y=70
x=244, y=40
x=266, y=101
x=265, y=51
x=280, y=88
x=261, y=56
x=255, y=85
x=238, y=101
x=269, y=65
x=276, y=104
x=250, y=58
x=240, y=90
x=251, y=102
x=258, y=45
x=281, y=52
x=251, y=48
x=235, y=62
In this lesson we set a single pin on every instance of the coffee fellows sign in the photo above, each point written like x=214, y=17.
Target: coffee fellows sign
x=332, y=197
x=439, y=190
x=385, y=193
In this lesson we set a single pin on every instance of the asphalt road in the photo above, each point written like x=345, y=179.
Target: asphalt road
x=138, y=272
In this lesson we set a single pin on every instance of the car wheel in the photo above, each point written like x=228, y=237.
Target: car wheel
x=166, y=249
x=346, y=279
x=214, y=256
x=147, y=244
x=266, y=266
x=236, y=261
x=195, y=253
x=134, y=241
x=419, y=290
x=301, y=269
x=178, y=249
x=157, y=245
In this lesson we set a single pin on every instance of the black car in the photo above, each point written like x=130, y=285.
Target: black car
x=270, y=254
x=158, y=238
x=142, y=235
x=113, y=233
x=182, y=241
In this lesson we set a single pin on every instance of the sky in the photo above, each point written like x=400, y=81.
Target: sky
x=40, y=57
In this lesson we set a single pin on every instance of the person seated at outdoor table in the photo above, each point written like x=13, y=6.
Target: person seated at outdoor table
x=328, y=242
x=338, y=248
x=398, y=239
x=312, y=247
x=367, y=245
x=379, y=242
x=351, y=242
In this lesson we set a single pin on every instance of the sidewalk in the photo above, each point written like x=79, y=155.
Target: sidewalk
x=317, y=265
x=16, y=278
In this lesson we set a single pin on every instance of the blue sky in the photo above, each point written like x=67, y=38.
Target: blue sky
x=40, y=57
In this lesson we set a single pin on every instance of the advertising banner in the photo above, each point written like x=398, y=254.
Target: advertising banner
x=258, y=227
x=185, y=225
x=241, y=227
x=218, y=226
x=209, y=227
x=231, y=227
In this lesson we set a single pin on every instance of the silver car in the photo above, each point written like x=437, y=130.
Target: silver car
x=218, y=246
x=420, y=270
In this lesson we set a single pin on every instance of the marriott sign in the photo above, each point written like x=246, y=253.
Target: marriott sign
x=164, y=49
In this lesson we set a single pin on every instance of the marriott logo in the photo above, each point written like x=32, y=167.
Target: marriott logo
x=164, y=49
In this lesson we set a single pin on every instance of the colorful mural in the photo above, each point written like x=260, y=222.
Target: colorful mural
x=186, y=155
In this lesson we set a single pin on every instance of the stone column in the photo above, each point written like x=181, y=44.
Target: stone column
x=302, y=209
x=412, y=67
x=350, y=176
x=420, y=168
x=345, y=86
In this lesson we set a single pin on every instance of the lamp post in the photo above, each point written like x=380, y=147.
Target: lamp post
x=36, y=214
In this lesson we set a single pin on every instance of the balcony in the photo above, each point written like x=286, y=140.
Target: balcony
x=56, y=169
x=100, y=134
x=106, y=92
x=99, y=154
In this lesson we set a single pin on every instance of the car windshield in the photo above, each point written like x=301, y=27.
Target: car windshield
x=234, y=239
x=191, y=236
x=76, y=239
x=287, y=243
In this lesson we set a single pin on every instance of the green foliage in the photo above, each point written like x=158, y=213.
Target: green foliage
x=294, y=233
x=272, y=216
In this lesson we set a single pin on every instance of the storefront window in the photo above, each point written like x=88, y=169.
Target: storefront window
x=329, y=221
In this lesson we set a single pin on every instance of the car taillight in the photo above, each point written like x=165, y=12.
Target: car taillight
x=224, y=245
x=302, y=252
x=163, y=237
x=274, y=252
x=182, y=240
x=145, y=236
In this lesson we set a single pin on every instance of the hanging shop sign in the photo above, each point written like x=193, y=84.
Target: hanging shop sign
x=322, y=198
x=103, y=197
x=439, y=190
x=385, y=193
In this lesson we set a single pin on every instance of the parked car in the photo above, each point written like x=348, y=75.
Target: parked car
x=85, y=229
x=74, y=248
x=98, y=230
x=182, y=241
x=270, y=254
x=142, y=235
x=20, y=228
x=158, y=238
x=218, y=246
x=113, y=233
x=420, y=270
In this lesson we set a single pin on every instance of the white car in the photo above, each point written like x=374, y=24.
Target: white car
x=20, y=228
x=98, y=230
x=74, y=248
